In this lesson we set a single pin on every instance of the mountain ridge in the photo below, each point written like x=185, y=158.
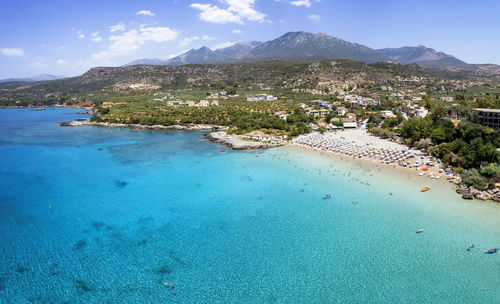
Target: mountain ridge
x=39, y=77
x=305, y=46
x=421, y=55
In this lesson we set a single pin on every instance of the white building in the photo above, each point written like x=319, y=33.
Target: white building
x=421, y=113
x=204, y=103
x=341, y=111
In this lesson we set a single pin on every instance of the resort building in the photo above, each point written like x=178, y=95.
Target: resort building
x=421, y=113
x=341, y=111
x=349, y=122
x=282, y=115
x=387, y=114
x=262, y=97
x=489, y=117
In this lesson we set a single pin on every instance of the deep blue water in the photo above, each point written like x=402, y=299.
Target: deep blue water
x=131, y=211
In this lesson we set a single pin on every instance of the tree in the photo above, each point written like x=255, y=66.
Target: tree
x=416, y=129
x=376, y=119
x=230, y=90
x=438, y=135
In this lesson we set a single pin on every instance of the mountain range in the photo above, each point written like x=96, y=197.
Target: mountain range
x=304, y=46
x=40, y=77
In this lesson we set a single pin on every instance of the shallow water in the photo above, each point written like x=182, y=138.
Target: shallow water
x=131, y=210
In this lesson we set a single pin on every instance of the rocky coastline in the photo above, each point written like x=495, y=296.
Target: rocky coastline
x=473, y=193
x=234, y=142
x=76, y=123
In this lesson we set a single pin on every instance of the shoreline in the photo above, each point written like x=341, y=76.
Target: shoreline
x=218, y=136
x=351, y=149
x=465, y=192
x=200, y=127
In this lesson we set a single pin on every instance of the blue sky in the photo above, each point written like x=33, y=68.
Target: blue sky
x=68, y=37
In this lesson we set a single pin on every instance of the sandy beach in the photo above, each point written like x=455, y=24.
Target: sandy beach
x=359, y=144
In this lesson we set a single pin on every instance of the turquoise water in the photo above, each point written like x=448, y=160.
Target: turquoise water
x=131, y=210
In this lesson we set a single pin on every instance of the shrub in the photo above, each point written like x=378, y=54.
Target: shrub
x=473, y=178
x=491, y=171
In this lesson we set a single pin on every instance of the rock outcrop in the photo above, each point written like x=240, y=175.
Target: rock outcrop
x=471, y=193
x=137, y=126
x=237, y=143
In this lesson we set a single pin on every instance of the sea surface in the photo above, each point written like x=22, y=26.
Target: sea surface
x=95, y=215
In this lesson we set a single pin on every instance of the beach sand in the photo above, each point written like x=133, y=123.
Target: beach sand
x=359, y=144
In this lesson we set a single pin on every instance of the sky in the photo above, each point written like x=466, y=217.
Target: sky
x=67, y=37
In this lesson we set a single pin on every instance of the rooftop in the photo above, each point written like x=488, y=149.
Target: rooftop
x=487, y=110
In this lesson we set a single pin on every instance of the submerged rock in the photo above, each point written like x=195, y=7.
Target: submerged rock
x=79, y=245
x=120, y=184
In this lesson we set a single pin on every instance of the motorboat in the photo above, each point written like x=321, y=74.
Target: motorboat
x=327, y=196
x=425, y=189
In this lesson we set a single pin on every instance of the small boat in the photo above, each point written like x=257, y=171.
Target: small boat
x=420, y=230
x=422, y=173
x=327, y=196
x=425, y=189
x=492, y=250
x=221, y=150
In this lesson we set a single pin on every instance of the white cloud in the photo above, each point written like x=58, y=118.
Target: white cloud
x=305, y=3
x=213, y=14
x=207, y=38
x=187, y=41
x=11, y=52
x=130, y=41
x=119, y=27
x=237, y=31
x=80, y=34
x=237, y=12
x=62, y=62
x=222, y=45
x=96, y=37
x=244, y=8
x=146, y=13
x=314, y=18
